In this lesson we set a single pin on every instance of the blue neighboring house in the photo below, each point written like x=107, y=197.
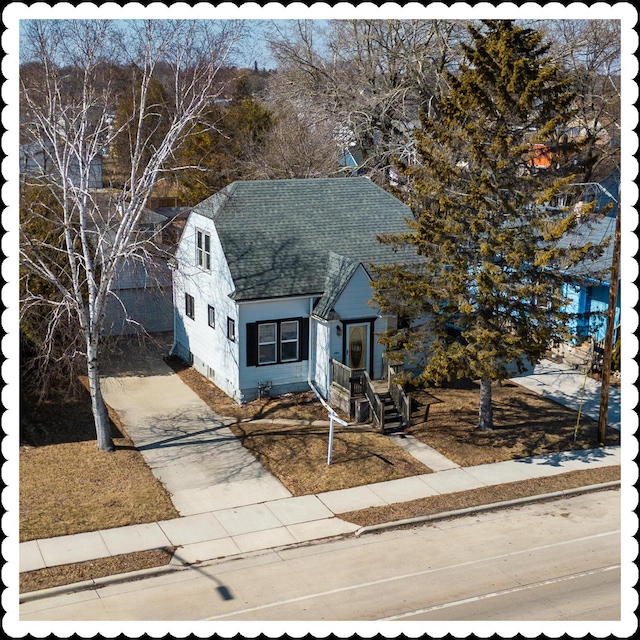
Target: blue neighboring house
x=588, y=295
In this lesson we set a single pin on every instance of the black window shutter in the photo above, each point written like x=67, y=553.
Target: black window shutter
x=304, y=338
x=252, y=344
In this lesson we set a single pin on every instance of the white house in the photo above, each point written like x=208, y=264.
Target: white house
x=272, y=283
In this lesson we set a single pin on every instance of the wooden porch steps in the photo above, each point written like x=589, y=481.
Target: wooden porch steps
x=393, y=422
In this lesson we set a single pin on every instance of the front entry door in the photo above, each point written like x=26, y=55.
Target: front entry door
x=357, y=356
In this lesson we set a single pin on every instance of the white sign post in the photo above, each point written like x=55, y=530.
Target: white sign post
x=333, y=418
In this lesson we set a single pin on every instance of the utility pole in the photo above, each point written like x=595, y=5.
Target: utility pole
x=608, y=341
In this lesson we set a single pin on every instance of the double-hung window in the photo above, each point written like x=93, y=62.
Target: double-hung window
x=267, y=343
x=203, y=250
x=289, y=341
x=277, y=341
x=212, y=317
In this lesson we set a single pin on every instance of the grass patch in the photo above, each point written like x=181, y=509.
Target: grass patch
x=295, y=406
x=297, y=456
x=485, y=495
x=93, y=569
x=525, y=424
x=67, y=486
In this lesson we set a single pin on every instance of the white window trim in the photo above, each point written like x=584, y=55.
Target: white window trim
x=273, y=342
x=231, y=329
x=296, y=340
x=203, y=257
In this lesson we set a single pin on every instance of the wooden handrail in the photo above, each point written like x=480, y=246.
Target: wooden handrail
x=377, y=408
x=402, y=402
x=399, y=397
x=348, y=379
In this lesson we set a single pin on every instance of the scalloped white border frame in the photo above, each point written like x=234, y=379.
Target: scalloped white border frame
x=628, y=16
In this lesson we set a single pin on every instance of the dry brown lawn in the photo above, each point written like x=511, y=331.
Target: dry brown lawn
x=483, y=496
x=297, y=456
x=68, y=486
x=93, y=569
x=296, y=406
x=525, y=424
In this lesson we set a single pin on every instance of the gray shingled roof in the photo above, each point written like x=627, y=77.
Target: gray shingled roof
x=339, y=272
x=597, y=231
x=277, y=234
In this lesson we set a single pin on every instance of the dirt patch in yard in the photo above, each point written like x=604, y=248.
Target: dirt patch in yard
x=525, y=424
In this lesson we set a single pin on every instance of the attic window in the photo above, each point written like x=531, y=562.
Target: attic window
x=203, y=250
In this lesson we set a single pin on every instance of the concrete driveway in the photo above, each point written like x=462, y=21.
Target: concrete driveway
x=569, y=387
x=190, y=449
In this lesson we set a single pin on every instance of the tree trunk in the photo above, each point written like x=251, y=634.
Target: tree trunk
x=99, y=409
x=485, y=422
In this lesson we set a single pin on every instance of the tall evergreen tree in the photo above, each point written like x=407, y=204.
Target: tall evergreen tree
x=486, y=293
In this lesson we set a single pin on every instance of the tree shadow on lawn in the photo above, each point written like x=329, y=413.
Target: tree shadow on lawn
x=60, y=420
x=299, y=406
x=525, y=424
x=298, y=456
x=279, y=443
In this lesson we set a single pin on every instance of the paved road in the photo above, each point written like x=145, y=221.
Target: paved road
x=552, y=561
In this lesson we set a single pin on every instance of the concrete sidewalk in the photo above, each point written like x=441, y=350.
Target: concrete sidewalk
x=229, y=504
x=265, y=524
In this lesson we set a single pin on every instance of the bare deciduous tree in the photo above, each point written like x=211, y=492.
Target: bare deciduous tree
x=298, y=145
x=72, y=83
x=590, y=53
x=370, y=77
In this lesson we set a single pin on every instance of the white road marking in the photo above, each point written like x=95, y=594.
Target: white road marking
x=405, y=576
x=503, y=592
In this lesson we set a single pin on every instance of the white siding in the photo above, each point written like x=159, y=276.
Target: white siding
x=284, y=377
x=214, y=355
x=354, y=300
